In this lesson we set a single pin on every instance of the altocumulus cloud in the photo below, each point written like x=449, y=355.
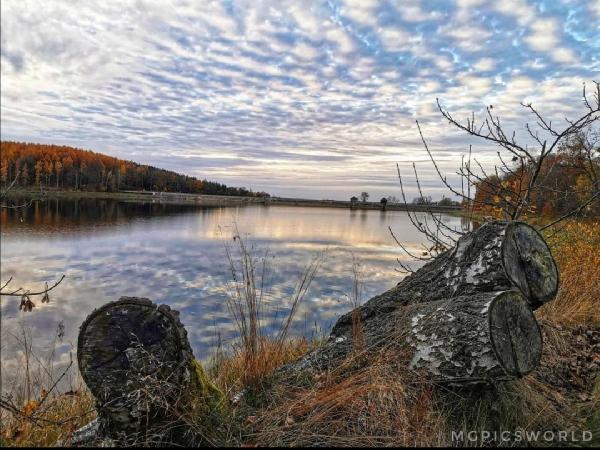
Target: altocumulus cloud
x=313, y=99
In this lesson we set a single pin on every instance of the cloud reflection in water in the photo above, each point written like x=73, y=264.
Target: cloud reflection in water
x=175, y=255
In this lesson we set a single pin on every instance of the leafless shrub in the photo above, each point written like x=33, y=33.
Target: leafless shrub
x=508, y=190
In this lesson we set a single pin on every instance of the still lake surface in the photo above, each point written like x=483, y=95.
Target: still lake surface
x=176, y=255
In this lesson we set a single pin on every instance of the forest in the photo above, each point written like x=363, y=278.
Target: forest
x=68, y=168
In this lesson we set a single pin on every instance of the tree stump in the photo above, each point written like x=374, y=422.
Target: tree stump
x=136, y=360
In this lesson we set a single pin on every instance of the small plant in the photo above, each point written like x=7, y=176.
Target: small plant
x=358, y=343
x=40, y=406
x=258, y=351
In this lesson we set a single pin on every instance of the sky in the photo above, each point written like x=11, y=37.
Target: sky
x=314, y=99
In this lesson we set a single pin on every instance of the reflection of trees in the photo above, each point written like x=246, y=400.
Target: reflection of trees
x=7, y=289
x=84, y=214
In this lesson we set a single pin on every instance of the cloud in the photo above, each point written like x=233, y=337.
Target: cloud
x=361, y=12
x=523, y=12
x=312, y=98
x=413, y=11
x=564, y=55
x=468, y=37
x=485, y=64
x=394, y=39
x=544, y=35
x=594, y=6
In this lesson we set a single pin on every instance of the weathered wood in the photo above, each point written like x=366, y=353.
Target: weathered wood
x=136, y=360
x=482, y=337
x=488, y=336
x=498, y=256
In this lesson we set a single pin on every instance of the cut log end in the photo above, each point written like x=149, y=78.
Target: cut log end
x=127, y=337
x=514, y=334
x=529, y=264
x=137, y=362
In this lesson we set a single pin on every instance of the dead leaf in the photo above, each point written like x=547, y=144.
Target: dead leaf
x=250, y=420
x=30, y=407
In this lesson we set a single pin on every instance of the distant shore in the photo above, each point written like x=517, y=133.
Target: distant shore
x=177, y=198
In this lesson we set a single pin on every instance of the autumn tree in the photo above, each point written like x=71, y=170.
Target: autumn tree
x=25, y=175
x=4, y=171
x=39, y=170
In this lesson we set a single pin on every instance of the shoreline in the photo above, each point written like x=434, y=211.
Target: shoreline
x=177, y=198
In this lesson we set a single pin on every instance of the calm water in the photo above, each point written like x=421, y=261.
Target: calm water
x=176, y=255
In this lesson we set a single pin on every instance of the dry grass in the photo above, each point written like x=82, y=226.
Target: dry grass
x=379, y=402
x=62, y=414
x=41, y=406
x=231, y=371
x=576, y=249
x=259, y=351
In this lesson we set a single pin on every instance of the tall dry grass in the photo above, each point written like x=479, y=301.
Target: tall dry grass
x=370, y=399
x=259, y=351
x=576, y=250
x=358, y=339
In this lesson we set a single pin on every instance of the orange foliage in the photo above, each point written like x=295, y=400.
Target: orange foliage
x=564, y=182
x=62, y=167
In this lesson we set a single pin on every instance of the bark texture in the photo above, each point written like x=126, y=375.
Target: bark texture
x=480, y=337
x=472, y=306
x=498, y=256
x=136, y=360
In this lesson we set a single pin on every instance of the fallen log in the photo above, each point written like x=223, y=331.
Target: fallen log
x=136, y=360
x=477, y=338
x=488, y=336
x=498, y=256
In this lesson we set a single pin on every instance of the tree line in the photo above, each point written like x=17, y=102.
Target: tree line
x=63, y=167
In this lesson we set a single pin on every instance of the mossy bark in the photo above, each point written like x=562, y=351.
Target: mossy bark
x=136, y=360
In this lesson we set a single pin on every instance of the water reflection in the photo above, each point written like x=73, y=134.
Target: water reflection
x=175, y=255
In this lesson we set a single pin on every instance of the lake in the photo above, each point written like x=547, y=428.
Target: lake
x=176, y=255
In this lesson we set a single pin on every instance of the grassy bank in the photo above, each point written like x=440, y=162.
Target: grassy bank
x=217, y=200
x=139, y=197
x=373, y=399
